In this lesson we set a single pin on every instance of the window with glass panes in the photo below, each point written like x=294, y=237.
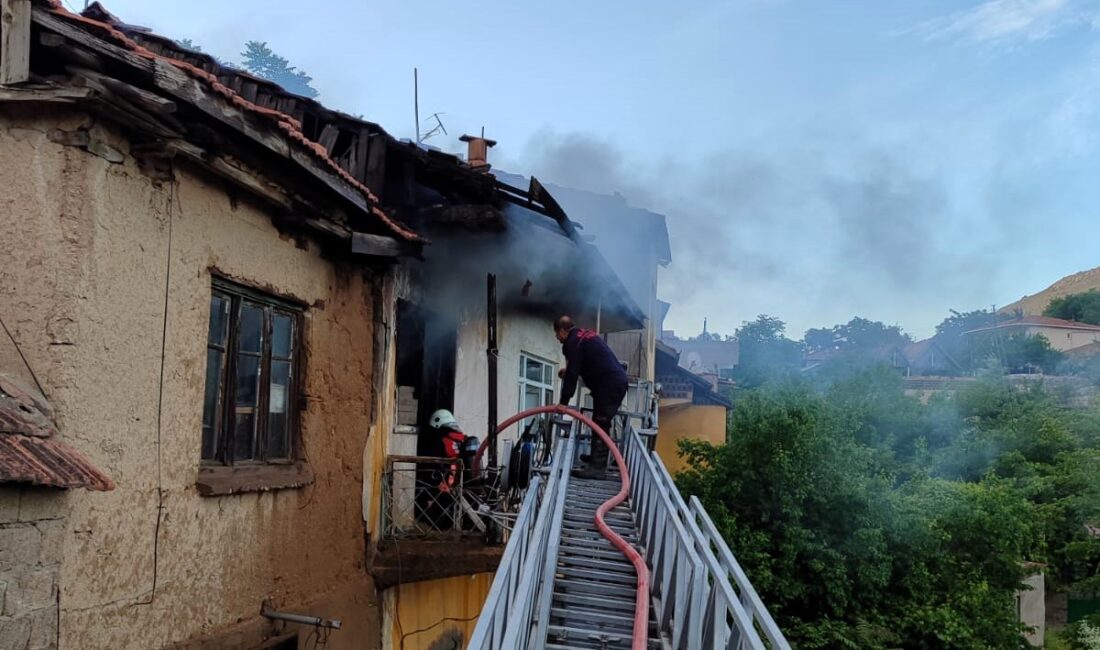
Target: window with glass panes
x=251, y=363
x=536, y=381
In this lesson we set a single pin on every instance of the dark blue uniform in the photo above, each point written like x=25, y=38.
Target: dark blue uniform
x=587, y=356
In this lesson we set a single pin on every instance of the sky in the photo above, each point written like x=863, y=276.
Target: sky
x=817, y=160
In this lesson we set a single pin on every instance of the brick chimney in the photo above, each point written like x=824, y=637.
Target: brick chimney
x=477, y=151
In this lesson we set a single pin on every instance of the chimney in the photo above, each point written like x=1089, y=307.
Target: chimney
x=477, y=151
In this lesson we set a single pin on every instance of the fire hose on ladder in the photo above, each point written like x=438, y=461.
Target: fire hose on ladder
x=641, y=605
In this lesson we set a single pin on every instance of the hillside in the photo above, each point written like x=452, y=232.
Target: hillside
x=1076, y=283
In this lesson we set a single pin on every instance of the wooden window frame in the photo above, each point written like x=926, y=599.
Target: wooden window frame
x=238, y=295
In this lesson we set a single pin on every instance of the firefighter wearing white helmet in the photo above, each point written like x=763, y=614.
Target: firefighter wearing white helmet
x=443, y=417
x=452, y=439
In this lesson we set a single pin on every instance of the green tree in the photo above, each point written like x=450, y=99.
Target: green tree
x=261, y=61
x=765, y=353
x=952, y=335
x=1016, y=353
x=1080, y=307
x=846, y=551
x=856, y=334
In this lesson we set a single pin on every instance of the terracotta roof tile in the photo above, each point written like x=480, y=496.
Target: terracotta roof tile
x=285, y=123
x=29, y=449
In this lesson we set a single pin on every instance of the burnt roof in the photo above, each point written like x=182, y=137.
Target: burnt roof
x=355, y=163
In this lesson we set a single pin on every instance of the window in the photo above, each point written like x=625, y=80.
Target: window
x=251, y=364
x=536, y=382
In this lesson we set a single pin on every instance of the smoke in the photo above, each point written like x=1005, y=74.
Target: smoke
x=535, y=265
x=815, y=232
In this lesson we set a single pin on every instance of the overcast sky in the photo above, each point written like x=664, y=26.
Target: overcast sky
x=816, y=159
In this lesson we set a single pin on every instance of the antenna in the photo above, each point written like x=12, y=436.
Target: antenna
x=416, y=103
x=435, y=129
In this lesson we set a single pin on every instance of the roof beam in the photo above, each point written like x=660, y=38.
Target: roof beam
x=15, y=41
x=180, y=85
x=380, y=246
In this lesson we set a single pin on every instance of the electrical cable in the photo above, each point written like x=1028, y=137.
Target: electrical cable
x=435, y=625
x=26, y=363
x=173, y=197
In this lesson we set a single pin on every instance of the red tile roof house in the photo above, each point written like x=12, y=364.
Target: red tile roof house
x=202, y=272
x=1063, y=335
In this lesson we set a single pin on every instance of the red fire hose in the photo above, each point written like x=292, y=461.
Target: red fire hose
x=641, y=602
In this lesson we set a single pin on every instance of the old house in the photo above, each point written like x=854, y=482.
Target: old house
x=929, y=357
x=689, y=409
x=707, y=356
x=474, y=335
x=241, y=305
x=635, y=243
x=1064, y=335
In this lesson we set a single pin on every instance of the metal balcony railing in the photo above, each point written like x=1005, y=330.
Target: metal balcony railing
x=423, y=496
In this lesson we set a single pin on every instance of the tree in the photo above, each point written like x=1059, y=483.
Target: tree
x=1015, y=353
x=951, y=333
x=846, y=551
x=1079, y=307
x=261, y=61
x=857, y=334
x=765, y=353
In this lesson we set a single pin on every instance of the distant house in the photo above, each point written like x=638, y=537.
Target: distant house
x=890, y=355
x=1064, y=335
x=690, y=409
x=928, y=357
x=707, y=357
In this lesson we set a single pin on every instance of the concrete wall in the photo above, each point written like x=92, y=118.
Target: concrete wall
x=106, y=286
x=435, y=614
x=31, y=536
x=685, y=421
x=1032, y=609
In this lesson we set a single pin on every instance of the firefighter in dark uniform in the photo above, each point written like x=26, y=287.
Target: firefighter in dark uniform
x=588, y=357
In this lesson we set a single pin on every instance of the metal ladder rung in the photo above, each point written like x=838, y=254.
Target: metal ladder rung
x=598, y=576
x=624, y=605
x=569, y=585
x=593, y=552
x=622, y=620
x=598, y=565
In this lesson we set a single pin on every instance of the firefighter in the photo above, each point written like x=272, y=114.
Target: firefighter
x=587, y=356
x=453, y=440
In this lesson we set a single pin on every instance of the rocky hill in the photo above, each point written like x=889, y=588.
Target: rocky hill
x=1076, y=283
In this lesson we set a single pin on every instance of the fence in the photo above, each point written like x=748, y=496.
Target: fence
x=423, y=496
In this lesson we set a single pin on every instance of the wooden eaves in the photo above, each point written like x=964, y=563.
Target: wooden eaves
x=172, y=112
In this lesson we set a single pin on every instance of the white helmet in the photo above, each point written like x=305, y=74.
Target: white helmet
x=442, y=418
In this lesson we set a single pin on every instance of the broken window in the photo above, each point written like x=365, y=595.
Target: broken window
x=251, y=364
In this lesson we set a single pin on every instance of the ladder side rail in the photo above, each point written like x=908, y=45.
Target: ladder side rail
x=733, y=570
x=517, y=632
x=743, y=630
x=677, y=564
x=489, y=629
x=550, y=562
